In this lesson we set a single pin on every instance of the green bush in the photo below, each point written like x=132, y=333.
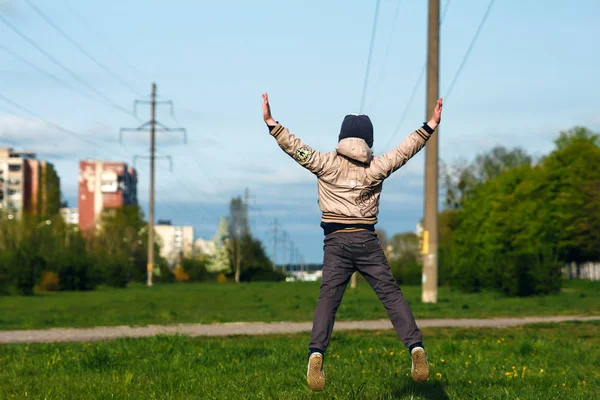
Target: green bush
x=29, y=267
x=7, y=263
x=407, y=273
x=254, y=274
x=115, y=271
x=196, y=269
x=165, y=273
x=76, y=271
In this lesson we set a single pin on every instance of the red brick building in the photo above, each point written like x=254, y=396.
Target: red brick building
x=104, y=184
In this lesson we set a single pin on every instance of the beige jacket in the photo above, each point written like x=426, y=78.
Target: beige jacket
x=350, y=179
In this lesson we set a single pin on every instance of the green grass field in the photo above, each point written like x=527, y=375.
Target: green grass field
x=207, y=303
x=548, y=361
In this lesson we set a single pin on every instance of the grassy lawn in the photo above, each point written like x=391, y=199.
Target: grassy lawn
x=207, y=303
x=549, y=361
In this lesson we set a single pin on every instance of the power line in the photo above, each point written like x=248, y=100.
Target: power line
x=90, y=142
x=80, y=48
x=52, y=124
x=115, y=52
x=373, y=32
x=194, y=195
x=416, y=86
x=62, y=66
x=49, y=75
x=468, y=53
x=388, y=48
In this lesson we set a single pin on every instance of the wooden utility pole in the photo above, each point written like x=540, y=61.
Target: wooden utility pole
x=430, y=233
x=150, y=266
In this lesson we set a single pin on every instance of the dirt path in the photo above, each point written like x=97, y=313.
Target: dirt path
x=253, y=328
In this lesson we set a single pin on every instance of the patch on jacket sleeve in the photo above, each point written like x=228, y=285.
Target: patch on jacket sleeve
x=303, y=154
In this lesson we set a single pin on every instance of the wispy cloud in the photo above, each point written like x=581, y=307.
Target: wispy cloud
x=46, y=140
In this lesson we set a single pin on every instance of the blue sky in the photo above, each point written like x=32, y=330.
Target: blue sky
x=530, y=75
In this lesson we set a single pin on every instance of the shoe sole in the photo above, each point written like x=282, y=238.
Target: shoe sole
x=420, y=371
x=314, y=377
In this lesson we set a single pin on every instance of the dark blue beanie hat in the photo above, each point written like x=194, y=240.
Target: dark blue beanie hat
x=358, y=126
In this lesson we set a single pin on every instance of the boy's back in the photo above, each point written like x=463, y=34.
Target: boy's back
x=350, y=179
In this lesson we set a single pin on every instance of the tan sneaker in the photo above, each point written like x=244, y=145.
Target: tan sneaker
x=315, y=376
x=420, y=366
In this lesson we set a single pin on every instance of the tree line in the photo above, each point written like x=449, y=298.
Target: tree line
x=510, y=222
x=42, y=252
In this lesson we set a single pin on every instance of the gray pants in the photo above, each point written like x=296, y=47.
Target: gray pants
x=345, y=253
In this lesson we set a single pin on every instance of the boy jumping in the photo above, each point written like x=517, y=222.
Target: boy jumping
x=350, y=180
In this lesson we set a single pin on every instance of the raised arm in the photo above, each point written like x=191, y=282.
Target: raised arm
x=314, y=161
x=388, y=163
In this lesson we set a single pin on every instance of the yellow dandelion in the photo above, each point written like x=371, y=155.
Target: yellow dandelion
x=391, y=353
x=513, y=367
x=442, y=361
x=523, y=373
x=360, y=352
x=470, y=356
x=438, y=375
x=508, y=373
x=370, y=349
x=499, y=341
x=470, y=382
x=541, y=370
x=564, y=384
x=564, y=373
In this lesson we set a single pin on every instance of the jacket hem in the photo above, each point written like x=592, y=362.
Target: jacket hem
x=349, y=221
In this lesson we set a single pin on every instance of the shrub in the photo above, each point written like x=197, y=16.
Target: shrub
x=50, y=282
x=196, y=269
x=6, y=272
x=116, y=272
x=76, y=271
x=409, y=273
x=28, y=268
x=261, y=275
x=181, y=275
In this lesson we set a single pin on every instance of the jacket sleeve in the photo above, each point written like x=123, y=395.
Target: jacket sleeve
x=382, y=167
x=316, y=162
